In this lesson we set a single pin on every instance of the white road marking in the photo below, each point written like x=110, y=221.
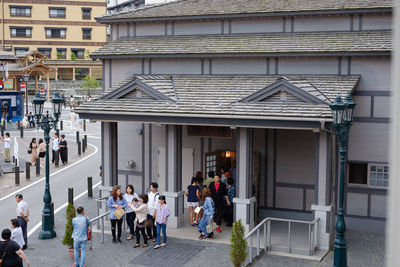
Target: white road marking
x=60, y=208
x=42, y=179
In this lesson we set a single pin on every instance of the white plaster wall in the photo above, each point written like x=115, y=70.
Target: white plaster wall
x=378, y=206
x=124, y=68
x=376, y=22
x=257, y=25
x=123, y=30
x=382, y=106
x=289, y=198
x=323, y=23
x=375, y=72
x=357, y=204
x=296, y=157
x=193, y=142
x=239, y=66
x=308, y=65
x=176, y=66
x=369, y=142
x=129, y=145
x=106, y=70
x=158, y=140
x=136, y=181
x=148, y=29
x=363, y=107
x=197, y=27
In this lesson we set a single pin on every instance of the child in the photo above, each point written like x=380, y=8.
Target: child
x=192, y=192
x=162, y=214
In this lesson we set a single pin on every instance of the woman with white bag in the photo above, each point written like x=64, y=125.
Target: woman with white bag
x=208, y=215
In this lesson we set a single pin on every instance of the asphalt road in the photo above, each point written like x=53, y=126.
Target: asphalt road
x=74, y=175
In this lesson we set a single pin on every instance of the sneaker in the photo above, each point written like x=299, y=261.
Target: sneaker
x=114, y=240
x=219, y=230
x=74, y=265
x=157, y=246
x=163, y=244
x=119, y=240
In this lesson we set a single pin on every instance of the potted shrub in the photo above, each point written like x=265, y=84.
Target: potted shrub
x=68, y=240
x=238, y=246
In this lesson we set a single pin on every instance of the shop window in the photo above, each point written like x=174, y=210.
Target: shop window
x=86, y=13
x=55, y=32
x=20, y=50
x=20, y=11
x=45, y=51
x=78, y=52
x=21, y=31
x=57, y=12
x=86, y=33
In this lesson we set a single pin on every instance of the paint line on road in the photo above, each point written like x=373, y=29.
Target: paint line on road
x=60, y=208
x=42, y=179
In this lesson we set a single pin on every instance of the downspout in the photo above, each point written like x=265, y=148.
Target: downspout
x=2, y=22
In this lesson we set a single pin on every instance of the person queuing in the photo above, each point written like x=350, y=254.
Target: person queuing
x=141, y=211
x=23, y=217
x=219, y=195
x=231, y=194
x=116, y=201
x=192, y=193
x=56, y=148
x=130, y=214
x=41, y=152
x=63, y=150
x=208, y=214
x=162, y=214
x=16, y=232
x=7, y=147
x=80, y=235
x=33, y=151
x=152, y=206
x=10, y=252
x=209, y=179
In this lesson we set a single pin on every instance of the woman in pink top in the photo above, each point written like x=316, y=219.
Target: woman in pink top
x=162, y=214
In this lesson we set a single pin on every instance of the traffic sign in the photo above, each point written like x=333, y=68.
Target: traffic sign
x=23, y=85
x=42, y=90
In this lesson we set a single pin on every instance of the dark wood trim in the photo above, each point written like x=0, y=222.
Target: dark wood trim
x=49, y=22
x=56, y=2
x=71, y=43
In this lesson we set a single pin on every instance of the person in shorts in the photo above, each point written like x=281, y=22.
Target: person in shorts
x=192, y=193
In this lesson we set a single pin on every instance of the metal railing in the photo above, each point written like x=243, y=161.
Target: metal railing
x=98, y=218
x=266, y=225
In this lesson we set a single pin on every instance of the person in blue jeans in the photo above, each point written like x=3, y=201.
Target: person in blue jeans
x=80, y=224
x=208, y=214
x=162, y=214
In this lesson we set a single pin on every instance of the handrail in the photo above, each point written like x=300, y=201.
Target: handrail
x=266, y=224
x=98, y=218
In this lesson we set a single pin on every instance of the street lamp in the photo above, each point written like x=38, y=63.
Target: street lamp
x=26, y=79
x=342, y=112
x=47, y=122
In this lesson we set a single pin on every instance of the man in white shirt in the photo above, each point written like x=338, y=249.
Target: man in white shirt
x=152, y=207
x=7, y=147
x=23, y=217
x=56, y=148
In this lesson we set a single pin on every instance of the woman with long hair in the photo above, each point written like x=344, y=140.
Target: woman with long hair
x=41, y=151
x=33, y=149
x=208, y=215
x=116, y=201
x=130, y=214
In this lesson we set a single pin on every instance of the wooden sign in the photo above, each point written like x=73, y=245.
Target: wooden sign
x=209, y=131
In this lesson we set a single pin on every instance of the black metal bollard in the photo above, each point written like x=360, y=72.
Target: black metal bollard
x=4, y=124
x=61, y=125
x=13, y=159
x=77, y=136
x=79, y=148
x=28, y=170
x=84, y=125
x=57, y=158
x=90, y=187
x=21, y=130
x=85, y=137
x=19, y=124
x=2, y=131
x=37, y=167
x=71, y=195
x=16, y=170
x=83, y=146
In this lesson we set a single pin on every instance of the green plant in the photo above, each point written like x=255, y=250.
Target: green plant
x=70, y=214
x=87, y=53
x=74, y=57
x=90, y=84
x=238, y=246
x=59, y=55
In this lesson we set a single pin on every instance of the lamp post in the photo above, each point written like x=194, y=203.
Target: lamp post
x=342, y=112
x=26, y=79
x=47, y=122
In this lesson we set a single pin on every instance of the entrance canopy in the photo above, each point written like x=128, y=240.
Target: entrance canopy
x=251, y=101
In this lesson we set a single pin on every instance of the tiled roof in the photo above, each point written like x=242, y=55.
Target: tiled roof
x=249, y=44
x=219, y=96
x=190, y=8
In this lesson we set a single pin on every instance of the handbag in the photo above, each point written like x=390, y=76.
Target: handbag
x=118, y=213
x=89, y=232
x=211, y=226
x=29, y=151
x=2, y=257
x=149, y=221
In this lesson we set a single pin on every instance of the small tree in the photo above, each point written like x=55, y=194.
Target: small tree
x=87, y=53
x=74, y=57
x=238, y=250
x=70, y=214
x=90, y=84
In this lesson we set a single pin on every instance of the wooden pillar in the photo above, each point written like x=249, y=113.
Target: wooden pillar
x=73, y=73
x=48, y=86
x=56, y=74
x=36, y=83
x=90, y=71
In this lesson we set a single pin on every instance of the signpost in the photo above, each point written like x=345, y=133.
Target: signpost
x=23, y=86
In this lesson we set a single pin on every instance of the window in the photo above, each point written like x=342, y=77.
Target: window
x=20, y=50
x=57, y=12
x=20, y=31
x=61, y=53
x=45, y=51
x=55, y=32
x=369, y=174
x=86, y=13
x=86, y=33
x=378, y=175
x=78, y=52
x=20, y=11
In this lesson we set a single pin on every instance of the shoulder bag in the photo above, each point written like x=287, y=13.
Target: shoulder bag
x=89, y=232
x=118, y=213
x=211, y=226
x=2, y=257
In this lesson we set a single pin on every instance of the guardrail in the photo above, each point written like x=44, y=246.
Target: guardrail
x=98, y=218
x=266, y=225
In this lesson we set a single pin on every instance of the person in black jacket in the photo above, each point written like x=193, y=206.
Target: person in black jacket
x=219, y=194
